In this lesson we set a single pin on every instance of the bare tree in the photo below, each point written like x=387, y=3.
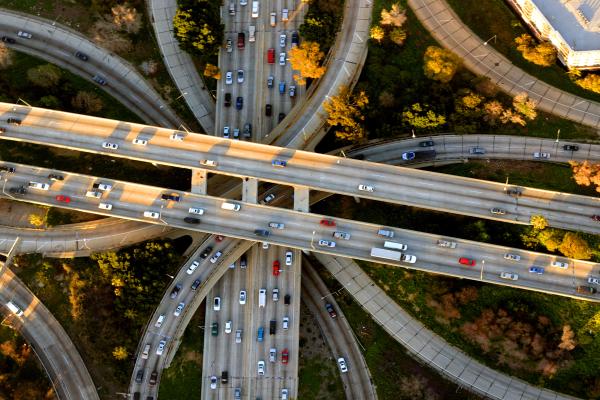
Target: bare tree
x=126, y=18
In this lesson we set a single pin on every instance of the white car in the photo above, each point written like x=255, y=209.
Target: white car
x=281, y=58
x=238, y=336
x=326, y=243
x=24, y=34
x=289, y=258
x=208, y=163
x=509, y=275
x=197, y=211
x=342, y=363
x=269, y=198
x=284, y=394
x=213, y=382
x=286, y=322
x=242, y=297
x=240, y=76
x=160, y=320
x=559, y=264
x=102, y=186
x=192, y=267
x=217, y=303
x=161, y=347
x=226, y=132
x=261, y=368
x=139, y=142
x=151, y=214
x=284, y=14
x=179, y=309
x=229, y=78
x=243, y=2
x=177, y=136
x=273, y=355
x=276, y=225
x=512, y=257
x=365, y=188
x=265, y=245
x=215, y=257
x=275, y=294
x=341, y=235
x=409, y=258
x=229, y=46
x=228, y=325
x=545, y=156
x=282, y=39
x=109, y=145
x=593, y=280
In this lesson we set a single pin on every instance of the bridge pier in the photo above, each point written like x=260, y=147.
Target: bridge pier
x=250, y=190
x=199, y=181
x=301, y=198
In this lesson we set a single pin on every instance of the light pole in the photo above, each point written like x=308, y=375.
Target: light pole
x=557, y=135
x=506, y=183
x=170, y=276
x=413, y=133
x=482, y=265
x=487, y=41
x=312, y=239
x=183, y=94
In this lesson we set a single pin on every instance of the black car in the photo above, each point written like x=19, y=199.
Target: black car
x=10, y=170
x=295, y=39
x=243, y=261
x=268, y=110
x=514, y=192
x=99, y=79
x=17, y=190
x=13, y=121
x=191, y=220
x=139, y=376
x=248, y=130
x=272, y=327
x=570, y=147
x=56, y=177
x=82, y=56
x=239, y=103
x=281, y=117
x=227, y=100
x=172, y=196
x=175, y=290
x=153, y=377
x=196, y=284
x=7, y=39
x=426, y=143
x=262, y=232
x=287, y=299
x=330, y=310
x=206, y=252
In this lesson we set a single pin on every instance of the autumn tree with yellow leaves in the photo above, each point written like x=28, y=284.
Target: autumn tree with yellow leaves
x=306, y=59
x=345, y=110
x=440, y=64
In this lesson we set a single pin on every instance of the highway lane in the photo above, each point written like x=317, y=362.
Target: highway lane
x=321, y=172
x=50, y=342
x=58, y=44
x=303, y=231
x=338, y=334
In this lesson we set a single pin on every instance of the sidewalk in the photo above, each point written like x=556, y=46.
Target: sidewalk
x=180, y=64
x=447, y=28
x=426, y=346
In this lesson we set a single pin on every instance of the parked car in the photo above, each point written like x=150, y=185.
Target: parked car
x=269, y=198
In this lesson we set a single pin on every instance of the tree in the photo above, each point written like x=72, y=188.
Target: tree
x=306, y=59
x=197, y=26
x=36, y=220
x=49, y=102
x=120, y=353
x=6, y=56
x=345, y=110
x=87, y=102
x=45, y=76
x=377, y=33
x=538, y=222
x=493, y=111
x=543, y=54
x=574, y=246
x=422, y=117
x=586, y=174
x=126, y=18
x=387, y=99
x=396, y=16
x=590, y=82
x=103, y=33
x=525, y=106
x=567, y=341
x=513, y=117
x=550, y=238
x=212, y=71
x=440, y=64
x=398, y=36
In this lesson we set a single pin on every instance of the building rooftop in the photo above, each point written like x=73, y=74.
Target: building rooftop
x=578, y=21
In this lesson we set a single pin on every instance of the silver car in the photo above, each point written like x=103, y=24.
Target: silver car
x=240, y=76
x=229, y=78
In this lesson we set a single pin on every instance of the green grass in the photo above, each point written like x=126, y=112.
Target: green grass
x=313, y=373
x=495, y=17
x=183, y=379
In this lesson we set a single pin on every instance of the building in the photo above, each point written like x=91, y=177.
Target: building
x=572, y=26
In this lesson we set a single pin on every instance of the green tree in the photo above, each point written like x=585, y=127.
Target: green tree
x=590, y=82
x=45, y=76
x=398, y=36
x=538, y=222
x=422, y=117
x=345, y=110
x=440, y=64
x=49, y=101
x=543, y=54
x=120, y=353
x=574, y=246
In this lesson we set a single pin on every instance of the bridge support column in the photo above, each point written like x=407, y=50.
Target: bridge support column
x=199, y=181
x=250, y=190
x=301, y=198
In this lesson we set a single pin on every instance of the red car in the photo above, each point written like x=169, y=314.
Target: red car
x=596, y=217
x=285, y=355
x=327, y=222
x=271, y=56
x=466, y=261
x=276, y=268
x=219, y=238
x=62, y=198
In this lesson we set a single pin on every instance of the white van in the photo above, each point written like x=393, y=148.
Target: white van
x=230, y=206
x=38, y=185
x=252, y=33
x=146, y=352
x=105, y=206
x=255, y=9
x=14, y=308
x=262, y=297
x=395, y=246
x=273, y=19
x=93, y=193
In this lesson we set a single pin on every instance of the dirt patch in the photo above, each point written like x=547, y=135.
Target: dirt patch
x=16, y=213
